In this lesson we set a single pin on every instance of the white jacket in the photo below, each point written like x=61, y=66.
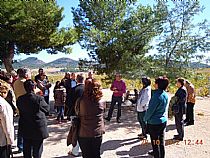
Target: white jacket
x=143, y=99
x=6, y=123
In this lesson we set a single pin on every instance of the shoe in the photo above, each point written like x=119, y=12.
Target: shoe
x=70, y=153
x=189, y=123
x=20, y=151
x=139, y=135
x=142, y=137
x=108, y=119
x=185, y=121
x=151, y=152
x=177, y=137
x=118, y=121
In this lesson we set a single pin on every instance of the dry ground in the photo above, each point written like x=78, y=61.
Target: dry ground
x=120, y=140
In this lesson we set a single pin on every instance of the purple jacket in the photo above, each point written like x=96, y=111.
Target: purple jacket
x=120, y=87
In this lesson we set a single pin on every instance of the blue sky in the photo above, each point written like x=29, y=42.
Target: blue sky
x=77, y=52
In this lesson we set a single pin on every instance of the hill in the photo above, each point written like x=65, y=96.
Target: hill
x=197, y=65
x=62, y=63
x=31, y=62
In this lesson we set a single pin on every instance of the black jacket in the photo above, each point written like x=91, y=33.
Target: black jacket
x=181, y=94
x=32, y=122
x=76, y=93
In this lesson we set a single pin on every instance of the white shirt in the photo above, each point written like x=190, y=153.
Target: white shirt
x=6, y=123
x=143, y=99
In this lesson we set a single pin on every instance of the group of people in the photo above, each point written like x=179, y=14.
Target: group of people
x=19, y=95
x=82, y=97
x=152, y=108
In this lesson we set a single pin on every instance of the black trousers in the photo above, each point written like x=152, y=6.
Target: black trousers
x=115, y=100
x=156, y=133
x=5, y=151
x=32, y=148
x=90, y=147
x=190, y=112
x=179, y=124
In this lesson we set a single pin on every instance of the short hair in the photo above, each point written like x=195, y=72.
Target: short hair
x=181, y=81
x=40, y=69
x=162, y=82
x=29, y=85
x=80, y=78
x=118, y=74
x=146, y=81
x=20, y=72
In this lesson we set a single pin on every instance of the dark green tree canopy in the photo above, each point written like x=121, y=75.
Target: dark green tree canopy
x=31, y=26
x=117, y=33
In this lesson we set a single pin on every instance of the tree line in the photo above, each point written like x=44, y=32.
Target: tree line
x=123, y=36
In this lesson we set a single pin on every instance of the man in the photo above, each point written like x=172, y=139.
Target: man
x=40, y=72
x=77, y=92
x=90, y=75
x=69, y=85
x=32, y=122
x=119, y=88
x=190, y=103
x=19, y=90
x=181, y=95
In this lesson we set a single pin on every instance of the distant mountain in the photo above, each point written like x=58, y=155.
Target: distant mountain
x=62, y=63
x=31, y=62
x=196, y=65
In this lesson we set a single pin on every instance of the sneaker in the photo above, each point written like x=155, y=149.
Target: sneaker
x=108, y=119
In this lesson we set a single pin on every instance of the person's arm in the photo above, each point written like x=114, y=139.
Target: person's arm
x=154, y=102
x=7, y=126
x=145, y=98
x=182, y=96
x=44, y=107
x=113, y=88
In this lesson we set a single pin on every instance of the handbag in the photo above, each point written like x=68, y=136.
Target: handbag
x=72, y=137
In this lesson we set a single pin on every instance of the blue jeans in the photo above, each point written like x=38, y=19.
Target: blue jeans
x=60, y=111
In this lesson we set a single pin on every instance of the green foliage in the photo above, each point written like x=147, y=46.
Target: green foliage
x=31, y=26
x=182, y=38
x=116, y=33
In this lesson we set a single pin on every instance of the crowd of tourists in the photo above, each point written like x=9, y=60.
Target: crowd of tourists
x=78, y=97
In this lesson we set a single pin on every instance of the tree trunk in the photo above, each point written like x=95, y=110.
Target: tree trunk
x=7, y=60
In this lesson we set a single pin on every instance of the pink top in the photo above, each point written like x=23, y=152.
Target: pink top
x=120, y=87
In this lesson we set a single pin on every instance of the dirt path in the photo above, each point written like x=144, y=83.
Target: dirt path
x=120, y=140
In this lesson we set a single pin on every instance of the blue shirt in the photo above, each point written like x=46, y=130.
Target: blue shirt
x=156, y=112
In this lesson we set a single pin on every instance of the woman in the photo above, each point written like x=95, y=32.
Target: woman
x=155, y=117
x=181, y=95
x=6, y=123
x=142, y=104
x=32, y=122
x=90, y=111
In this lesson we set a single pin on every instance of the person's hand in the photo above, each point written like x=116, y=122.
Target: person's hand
x=116, y=91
